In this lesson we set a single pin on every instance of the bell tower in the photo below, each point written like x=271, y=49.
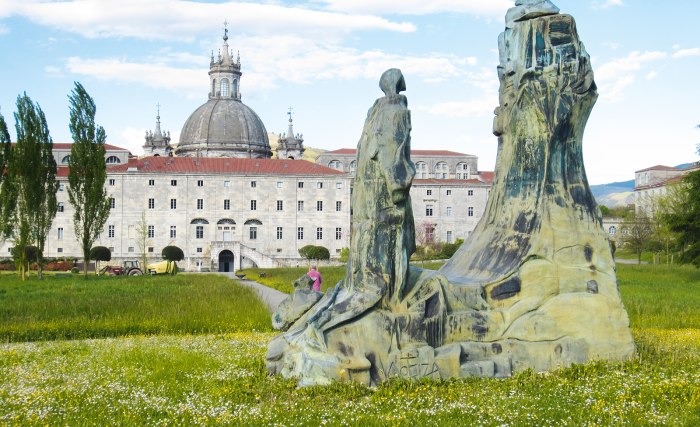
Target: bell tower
x=224, y=73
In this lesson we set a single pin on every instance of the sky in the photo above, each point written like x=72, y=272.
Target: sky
x=323, y=58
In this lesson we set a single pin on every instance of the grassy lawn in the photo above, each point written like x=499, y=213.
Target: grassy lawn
x=212, y=379
x=283, y=279
x=75, y=308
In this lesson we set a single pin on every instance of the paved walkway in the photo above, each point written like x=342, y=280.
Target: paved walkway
x=271, y=297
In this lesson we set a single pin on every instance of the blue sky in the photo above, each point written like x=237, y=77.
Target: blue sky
x=324, y=58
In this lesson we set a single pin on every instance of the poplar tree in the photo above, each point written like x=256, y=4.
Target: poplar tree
x=88, y=172
x=28, y=192
x=5, y=147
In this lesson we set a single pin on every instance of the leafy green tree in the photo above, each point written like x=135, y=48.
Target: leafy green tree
x=100, y=253
x=28, y=195
x=88, y=172
x=172, y=254
x=684, y=218
x=5, y=147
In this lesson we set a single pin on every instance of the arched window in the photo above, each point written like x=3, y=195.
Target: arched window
x=199, y=221
x=224, y=87
x=65, y=160
x=253, y=222
x=234, y=92
x=335, y=164
x=612, y=230
x=227, y=221
x=353, y=167
x=112, y=160
x=441, y=170
x=463, y=171
x=421, y=170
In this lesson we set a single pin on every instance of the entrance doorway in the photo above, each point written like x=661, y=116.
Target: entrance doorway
x=226, y=261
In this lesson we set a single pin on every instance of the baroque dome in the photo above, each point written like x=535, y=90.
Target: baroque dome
x=224, y=128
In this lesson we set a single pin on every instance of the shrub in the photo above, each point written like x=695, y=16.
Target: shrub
x=314, y=252
x=100, y=253
x=173, y=253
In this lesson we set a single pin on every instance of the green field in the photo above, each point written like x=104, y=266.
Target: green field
x=180, y=376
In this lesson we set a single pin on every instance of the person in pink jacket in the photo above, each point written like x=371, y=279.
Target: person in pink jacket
x=314, y=274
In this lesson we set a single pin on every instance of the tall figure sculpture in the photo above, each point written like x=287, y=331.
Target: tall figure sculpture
x=533, y=287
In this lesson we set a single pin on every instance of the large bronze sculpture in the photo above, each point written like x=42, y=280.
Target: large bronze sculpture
x=533, y=287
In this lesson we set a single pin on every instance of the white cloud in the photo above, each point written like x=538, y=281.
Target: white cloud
x=614, y=76
x=184, y=20
x=275, y=59
x=606, y=4
x=652, y=75
x=488, y=8
x=685, y=53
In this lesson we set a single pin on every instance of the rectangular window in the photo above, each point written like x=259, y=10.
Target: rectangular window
x=112, y=203
x=300, y=206
x=60, y=207
x=112, y=181
x=279, y=233
x=428, y=210
x=131, y=249
x=60, y=250
x=319, y=185
x=199, y=251
x=338, y=186
x=200, y=204
x=227, y=184
x=173, y=182
x=150, y=249
x=253, y=233
x=470, y=192
x=300, y=233
x=199, y=232
x=227, y=204
x=300, y=184
x=470, y=211
x=151, y=182
x=253, y=205
x=151, y=203
x=173, y=203
x=61, y=187
x=449, y=211
x=338, y=206
x=279, y=184
x=151, y=231
x=429, y=234
x=319, y=233
x=338, y=233
x=60, y=233
x=253, y=184
x=173, y=231
x=429, y=192
x=449, y=192
x=319, y=206
x=200, y=183
x=449, y=237
x=280, y=205
x=110, y=231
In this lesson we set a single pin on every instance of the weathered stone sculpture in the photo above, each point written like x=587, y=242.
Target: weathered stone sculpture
x=292, y=308
x=533, y=287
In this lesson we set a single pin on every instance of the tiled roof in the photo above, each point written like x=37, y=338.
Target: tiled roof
x=658, y=168
x=487, y=177
x=67, y=146
x=416, y=153
x=433, y=181
x=223, y=166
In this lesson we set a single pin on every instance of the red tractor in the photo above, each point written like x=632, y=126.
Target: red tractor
x=129, y=268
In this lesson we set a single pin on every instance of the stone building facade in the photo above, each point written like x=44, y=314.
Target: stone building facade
x=652, y=183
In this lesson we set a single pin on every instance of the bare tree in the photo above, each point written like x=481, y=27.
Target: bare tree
x=142, y=242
